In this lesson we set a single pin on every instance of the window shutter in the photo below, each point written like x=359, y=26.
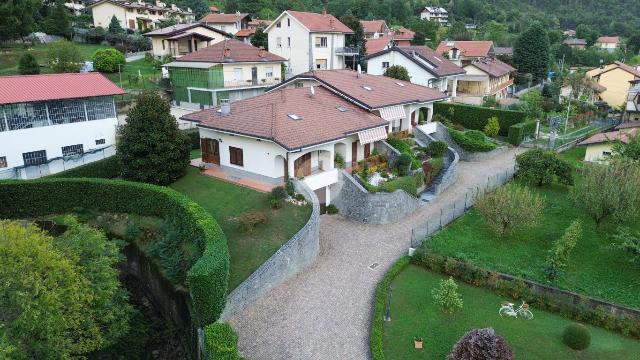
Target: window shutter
x=240, y=158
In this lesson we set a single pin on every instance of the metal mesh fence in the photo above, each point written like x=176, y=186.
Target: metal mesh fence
x=458, y=207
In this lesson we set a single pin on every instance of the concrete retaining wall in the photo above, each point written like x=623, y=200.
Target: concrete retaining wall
x=294, y=256
x=355, y=202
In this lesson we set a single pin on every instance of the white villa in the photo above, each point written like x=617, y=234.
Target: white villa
x=435, y=14
x=229, y=23
x=50, y=123
x=297, y=127
x=137, y=15
x=182, y=39
x=462, y=53
x=309, y=41
x=425, y=66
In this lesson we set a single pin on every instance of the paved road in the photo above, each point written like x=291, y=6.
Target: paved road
x=324, y=313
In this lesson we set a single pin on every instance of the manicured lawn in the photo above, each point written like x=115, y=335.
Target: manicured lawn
x=575, y=155
x=226, y=202
x=135, y=75
x=196, y=153
x=595, y=268
x=413, y=313
x=9, y=56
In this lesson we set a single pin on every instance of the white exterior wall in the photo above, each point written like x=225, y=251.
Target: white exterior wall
x=418, y=75
x=231, y=79
x=52, y=138
x=302, y=53
x=103, y=13
x=158, y=51
x=596, y=152
x=231, y=28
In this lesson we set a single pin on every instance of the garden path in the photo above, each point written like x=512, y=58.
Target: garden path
x=325, y=312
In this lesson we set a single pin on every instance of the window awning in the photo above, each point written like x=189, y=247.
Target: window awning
x=372, y=135
x=393, y=113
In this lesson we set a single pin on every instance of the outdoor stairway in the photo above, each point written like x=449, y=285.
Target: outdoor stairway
x=429, y=194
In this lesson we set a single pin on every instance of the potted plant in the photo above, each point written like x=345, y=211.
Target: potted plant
x=417, y=341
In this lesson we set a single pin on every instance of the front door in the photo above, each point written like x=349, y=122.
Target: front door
x=354, y=154
x=132, y=24
x=254, y=76
x=414, y=123
x=302, y=165
x=367, y=151
x=210, y=151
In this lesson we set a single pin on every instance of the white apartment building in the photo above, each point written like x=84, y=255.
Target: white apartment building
x=309, y=41
x=436, y=14
x=51, y=123
x=137, y=15
x=229, y=23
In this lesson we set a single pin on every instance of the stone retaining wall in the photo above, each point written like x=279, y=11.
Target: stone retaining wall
x=294, y=256
x=384, y=148
x=355, y=202
x=449, y=174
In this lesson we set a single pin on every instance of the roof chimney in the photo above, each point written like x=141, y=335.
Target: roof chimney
x=312, y=91
x=227, y=52
x=262, y=53
x=359, y=71
x=324, y=11
x=225, y=107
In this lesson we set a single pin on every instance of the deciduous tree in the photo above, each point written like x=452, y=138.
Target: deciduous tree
x=446, y=296
x=542, y=167
x=151, y=147
x=559, y=255
x=64, y=57
x=510, y=208
x=28, y=65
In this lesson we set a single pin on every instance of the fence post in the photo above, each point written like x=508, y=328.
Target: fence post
x=465, y=200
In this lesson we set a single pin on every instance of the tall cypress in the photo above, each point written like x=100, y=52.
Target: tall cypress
x=531, y=52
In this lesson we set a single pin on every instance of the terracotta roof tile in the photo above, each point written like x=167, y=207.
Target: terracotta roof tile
x=376, y=45
x=493, y=67
x=628, y=68
x=267, y=117
x=403, y=34
x=245, y=32
x=223, y=18
x=373, y=26
x=384, y=91
x=608, y=39
x=441, y=65
x=30, y=88
x=181, y=28
x=618, y=135
x=320, y=22
x=240, y=52
x=467, y=48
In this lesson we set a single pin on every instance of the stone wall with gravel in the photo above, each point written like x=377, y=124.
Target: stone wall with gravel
x=355, y=202
x=293, y=257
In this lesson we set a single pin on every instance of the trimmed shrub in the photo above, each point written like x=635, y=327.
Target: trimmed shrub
x=492, y=128
x=289, y=187
x=472, y=140
x=249, y=220
x=404, y=148
x=339, y=161
x=437, y=148
x=403, y=164
x=481, y=344
x=28, y=65
x=202, y=243
x=107, y=168
x=332, y=209
x=375, y=338
x=577, y=337
x=221, y=342
x=541, y=167
x=476, y=117
x=519, y=131
x=107, y=60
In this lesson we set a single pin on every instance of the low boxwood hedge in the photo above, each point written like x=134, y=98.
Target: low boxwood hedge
x=206, y=271
x=518, y=132
x=221, y=342
x=472, y=140
x=476, y=117
x=107, y=168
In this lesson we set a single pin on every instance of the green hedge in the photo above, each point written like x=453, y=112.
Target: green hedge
x=404, y=148
x=564, y=305
x=375, y=338
x=221, y=342
x=107, y=168
x=472, y=140
x=518, y=132
x=194, y=138
x=410, y=184
x=476, y=117
x=201, y=238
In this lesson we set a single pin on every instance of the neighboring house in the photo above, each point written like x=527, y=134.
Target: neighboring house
x=229, y=23
x=589, y=93
x=288, y=133
x=75, y=7
x=214, y=9
x=182, y=39
x=401, y=103
x=258, y=23
x=245, y=35
x=374, y=29
x=403, y=36
x=632, y=110
x=137, y=15
x=464, y=53
x=484, y=77
x=435, y=14
x=309, y=41
x=575, y=43
x=599, y=146
x=425, y=66
x=229, y=70
x=609, y=43
x=615, y=78
x=506, y=52
x=373, y=46
x=59, y=117
x=569, y=33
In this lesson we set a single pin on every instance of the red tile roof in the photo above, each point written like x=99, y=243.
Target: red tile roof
x=619, y=135
x=181, y=28
x=629, y=124
x=245, y=32
x=267, y=117
x=376, y=45
x=373, y=26
x=608, y=39
x=467, y=48
x=384, y=91
x=31, y=88
x=493, y=67
x=320, y=22
x=240, y=52
x=628, y=68
x=441, y=65
x=403, y=34
x=223, y=18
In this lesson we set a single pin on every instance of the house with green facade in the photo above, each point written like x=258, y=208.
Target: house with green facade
x=230, y=70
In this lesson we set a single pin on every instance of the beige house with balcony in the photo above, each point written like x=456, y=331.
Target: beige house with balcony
x=484, y=77
x=137, y=15
x=229, y=23
x=183, y=39
x=228, y=70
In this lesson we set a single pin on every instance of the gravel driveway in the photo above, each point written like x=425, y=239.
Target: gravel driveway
x=324, y=312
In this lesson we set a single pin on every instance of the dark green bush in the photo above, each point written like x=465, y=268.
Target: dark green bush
x=519, y=131
x=543, y=167
x=332, y=209
x=194, y=137
x=403, y=147
x=375, y=338
x=472, y=140
x=221, y=342
x=476, y=117
x=107, y=168
x=289, y=187
x=279, y=193
x=201, y=242
x=107, y=60
x=403, y=164
x=437, y=148
x=577, y=337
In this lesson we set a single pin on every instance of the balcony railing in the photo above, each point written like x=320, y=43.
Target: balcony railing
x=347, y=51
x=250, y=82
